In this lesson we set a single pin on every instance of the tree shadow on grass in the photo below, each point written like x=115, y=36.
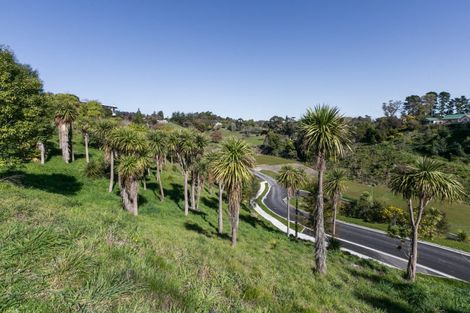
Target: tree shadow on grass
x=377, y=278
x=210, y=202
x=197, y=228
x=210, y=234
x=255, y=222
x=154, y=187
x=176, y=194
x=384, y=304
x=55, y=183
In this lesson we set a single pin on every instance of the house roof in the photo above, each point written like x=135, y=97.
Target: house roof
x=453, y=116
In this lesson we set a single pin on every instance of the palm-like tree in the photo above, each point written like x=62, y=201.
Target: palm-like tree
x=232, y=168
x=102, y=131
x=326, y=136
x=197, y=168
x=211, y=157
x=292, y=179
x=172, y=145
x=65, y=114
x=423, y=182
x=335, y=185
x=184, y=149
x=131, y=146
x=131, y=168
x=88, y=114
x=159, y=149
x=85, y=126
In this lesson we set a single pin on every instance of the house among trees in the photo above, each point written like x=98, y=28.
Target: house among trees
x=111, y=108
x=449, y=119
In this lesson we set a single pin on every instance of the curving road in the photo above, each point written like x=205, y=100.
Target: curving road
x=432, y=259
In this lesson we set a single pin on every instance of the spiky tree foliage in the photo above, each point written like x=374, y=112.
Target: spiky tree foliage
x=66, y=112
x=232, y=168
x=326, y=136
x=335, y=185
x=292, y=179
x=131, y=168
x=102, y=131
x=420, y=183
x=128, y=141
x=159, y=148
x=172, y=145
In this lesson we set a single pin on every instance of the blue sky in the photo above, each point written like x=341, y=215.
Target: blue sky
x=250, y=59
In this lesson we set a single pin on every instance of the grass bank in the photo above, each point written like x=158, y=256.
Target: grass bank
x=67, y=246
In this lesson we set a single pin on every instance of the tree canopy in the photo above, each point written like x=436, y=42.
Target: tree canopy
x=24, y=113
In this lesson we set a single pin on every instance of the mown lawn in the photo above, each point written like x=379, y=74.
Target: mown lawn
x=272, y=160
x=67, y=246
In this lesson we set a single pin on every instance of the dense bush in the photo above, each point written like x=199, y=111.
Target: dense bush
x=366, y=208
x=95, y=169
x=462, y=236
x=334, y=244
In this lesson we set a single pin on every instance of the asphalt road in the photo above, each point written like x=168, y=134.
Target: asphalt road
x=379, y=246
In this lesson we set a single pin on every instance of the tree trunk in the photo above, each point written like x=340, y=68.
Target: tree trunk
x=193, y=192
x=159, y=180
x=234, y=205
x=70, y=143
x=335, y=206
x=288, y=215
x=42, y=150
x=64, y=144
x=134, y=192
x=297, y=215
x=412, y=260
x=144, y=182
x=320, y=244
x=87, y=155
x=126, y=202
x=199, y=187
x=129, y=195
x=219, y=215
x=111, y=173
x=186, y=204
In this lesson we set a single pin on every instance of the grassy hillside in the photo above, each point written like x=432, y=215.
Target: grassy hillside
x=67, y=246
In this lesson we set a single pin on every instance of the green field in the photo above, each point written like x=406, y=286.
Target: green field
x=269, y=173
x=458, y=213
x=272, y=160
x=252, y=140
x=67, y=246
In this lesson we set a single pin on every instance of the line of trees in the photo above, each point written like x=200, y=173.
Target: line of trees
x=27, y=113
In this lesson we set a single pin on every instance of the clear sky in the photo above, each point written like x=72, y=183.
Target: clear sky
x=250, y=59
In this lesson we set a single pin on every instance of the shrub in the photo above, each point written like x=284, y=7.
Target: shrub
x=462, y=235
x=365, y=208
x=419, y=298
x=95, y=169
x=334, y=244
